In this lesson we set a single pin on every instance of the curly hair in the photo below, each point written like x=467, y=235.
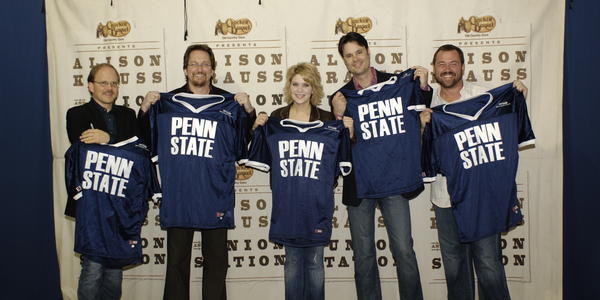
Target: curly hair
x=309, y=74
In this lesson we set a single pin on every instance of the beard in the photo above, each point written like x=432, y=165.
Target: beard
x=448, y=83
x=199, y=82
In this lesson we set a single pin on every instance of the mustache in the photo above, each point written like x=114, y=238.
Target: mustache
x=200, y=75
x=448, y=73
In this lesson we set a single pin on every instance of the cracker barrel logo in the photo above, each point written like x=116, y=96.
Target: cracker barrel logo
x=114, y=29
x=243, y=173
x=358, y=25
x=476, y=24
x=231, y=26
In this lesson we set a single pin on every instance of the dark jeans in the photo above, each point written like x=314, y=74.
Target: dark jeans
x=98, y=282
x=460, y=258
x=396, y=215
x=214, y=271
x=304, y=273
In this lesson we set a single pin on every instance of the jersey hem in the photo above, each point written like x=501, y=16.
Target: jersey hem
x=391, y=193
x=527, y=143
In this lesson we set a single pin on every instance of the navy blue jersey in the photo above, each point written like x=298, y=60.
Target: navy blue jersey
x=305, y=159
x=112, y=185
x=386, y=155
x=197, y=140
x=474, y=143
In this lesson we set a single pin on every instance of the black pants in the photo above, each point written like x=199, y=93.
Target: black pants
x=214, y=270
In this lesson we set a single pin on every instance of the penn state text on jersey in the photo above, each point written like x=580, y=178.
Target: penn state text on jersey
x=474, y=143
x=386, y=155
x=112, y=185
x=304, y=158
x=196, y=140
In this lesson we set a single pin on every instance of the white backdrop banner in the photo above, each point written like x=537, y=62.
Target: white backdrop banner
x=254, y=43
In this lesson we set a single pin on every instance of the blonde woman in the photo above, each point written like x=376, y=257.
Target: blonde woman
x=302, y=197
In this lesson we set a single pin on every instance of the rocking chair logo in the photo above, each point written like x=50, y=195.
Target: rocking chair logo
x=243, y=173
x=231, y=26
x=114, y=29
x=358, y=25
x=476, y=24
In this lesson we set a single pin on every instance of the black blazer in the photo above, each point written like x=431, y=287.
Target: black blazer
x=349, y=191
x=83, y=117
x=315, y=113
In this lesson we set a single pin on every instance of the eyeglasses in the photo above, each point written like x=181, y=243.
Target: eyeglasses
x=107, y=84
x=197, y=65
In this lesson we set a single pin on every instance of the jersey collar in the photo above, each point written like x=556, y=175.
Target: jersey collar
x=196, y=96
x=299, y=125
x=379, y=86
x=465, y=116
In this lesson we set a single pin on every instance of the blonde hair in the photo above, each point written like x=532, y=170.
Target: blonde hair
x=310, y=74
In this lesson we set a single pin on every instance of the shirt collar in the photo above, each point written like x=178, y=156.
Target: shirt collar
x=100, y=107
x=373, y=80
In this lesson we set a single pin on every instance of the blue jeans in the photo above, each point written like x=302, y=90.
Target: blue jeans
x=396, y=215
x=304, y=273
x=459, y=258
x=98, y=282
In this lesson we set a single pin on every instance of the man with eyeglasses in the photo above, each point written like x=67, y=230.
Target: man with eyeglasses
x=100, y=121
x=199, y=68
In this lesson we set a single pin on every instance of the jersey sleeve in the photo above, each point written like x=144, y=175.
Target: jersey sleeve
x=154, y=184
x=241, y=135
x=153, y=113
x=526, y=135
x=344, y=157
x=154, y=190
x=349, y=111
x=428, y=155
x=259, y=156
x=416, y=101
x=72, y=172
x=143, y=124
x=250, y=119
x=72, y=179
